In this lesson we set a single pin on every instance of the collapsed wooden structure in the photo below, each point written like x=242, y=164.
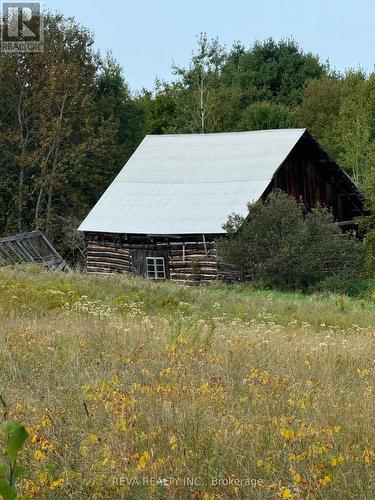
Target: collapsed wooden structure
x=163, y=213
x=32, y=247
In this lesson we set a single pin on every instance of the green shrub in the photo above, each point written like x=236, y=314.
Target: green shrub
x=354, y=286
x=283, y=245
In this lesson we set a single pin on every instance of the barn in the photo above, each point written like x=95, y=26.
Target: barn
x=161, y=215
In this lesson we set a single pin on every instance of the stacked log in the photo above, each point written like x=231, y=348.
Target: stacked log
x=193, y=263
x=108, y=259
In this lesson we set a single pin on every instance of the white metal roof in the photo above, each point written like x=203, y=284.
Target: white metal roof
x=189, y=184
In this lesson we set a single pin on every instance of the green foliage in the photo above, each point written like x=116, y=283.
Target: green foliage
x=319, y=109
x=353, y=286
x=287, y=248
x=199, y=104
x=356, y=126
x=240, y=89
x=340, y=112
x=369, y=266
x=15, y=435
x=67, y=125
x=160, y=109
x=279, y=69
x=266, y=115
x=46, y=295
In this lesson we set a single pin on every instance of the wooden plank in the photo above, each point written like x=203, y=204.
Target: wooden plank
x=190, y=272
x=189, y=263
x=191, y=252
x=101, y=271
x=106, y=269
x=110, y=257
x=7, y=252
x=193, y=283
x=107, y=264
x=192, y=244
x=96, y=248
x=192, y=276
x=21, y=236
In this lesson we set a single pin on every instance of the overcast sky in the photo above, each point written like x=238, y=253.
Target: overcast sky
x=147, y=36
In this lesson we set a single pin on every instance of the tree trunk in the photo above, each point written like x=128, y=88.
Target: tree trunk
x=37, y=207
x=55, y=162
x=20, y=199
x=49, y=208
x=202, y=107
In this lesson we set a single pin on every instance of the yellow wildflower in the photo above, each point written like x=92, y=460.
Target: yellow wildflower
x=29, y=488
x=208, y=496
x=370, y=389
x=46, y=445
x=287, y=433
x=46, y=422
x=42, y=476
x=93, y=438
x=39, y=455
x=83, y=451
x=143, y=460
x=337, y=460
x=173, y=442
x=297, y=478
x=367, y=455
x=325, y=481
x=286, y=493
x=56, y=484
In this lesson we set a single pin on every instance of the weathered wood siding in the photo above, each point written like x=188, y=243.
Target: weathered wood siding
x=309, y=175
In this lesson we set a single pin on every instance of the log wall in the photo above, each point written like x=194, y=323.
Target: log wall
x=108, y=259
x=193, y=262
x=190, y=262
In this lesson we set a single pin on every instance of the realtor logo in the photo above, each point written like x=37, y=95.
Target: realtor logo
x=22, y=27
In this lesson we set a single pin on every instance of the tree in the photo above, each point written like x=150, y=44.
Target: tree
x=243, y=89
x=319, y=111
x=68, y=123
x=114, y=98
x=198, y=101
x=278, y=70
x=266, y=115
x=160, y=109
x=283, y=245
x=20, y=79
x=63, y=102
x=355, y=126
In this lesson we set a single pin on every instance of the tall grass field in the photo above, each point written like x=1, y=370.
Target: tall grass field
x=134, y=389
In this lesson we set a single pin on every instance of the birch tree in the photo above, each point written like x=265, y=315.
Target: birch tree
x=199, y=104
